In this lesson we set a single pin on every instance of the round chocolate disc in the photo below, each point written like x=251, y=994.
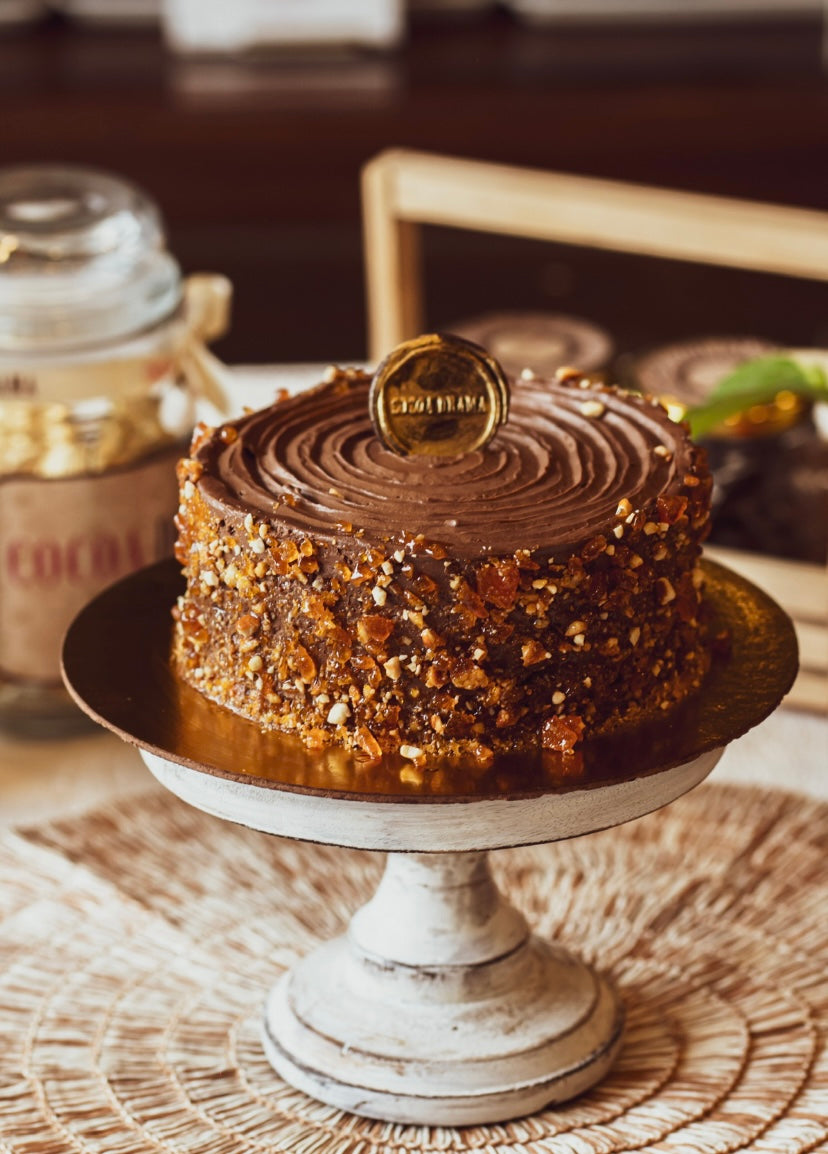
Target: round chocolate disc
x=438, y=396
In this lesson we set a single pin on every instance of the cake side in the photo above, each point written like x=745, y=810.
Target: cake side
x=384, y=605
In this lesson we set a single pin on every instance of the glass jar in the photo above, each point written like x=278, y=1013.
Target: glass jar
x=101, y=357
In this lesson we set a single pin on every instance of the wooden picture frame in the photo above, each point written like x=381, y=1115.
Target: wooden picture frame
x=403, y=190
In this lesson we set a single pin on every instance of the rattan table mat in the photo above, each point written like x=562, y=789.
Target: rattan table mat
x=137, y=943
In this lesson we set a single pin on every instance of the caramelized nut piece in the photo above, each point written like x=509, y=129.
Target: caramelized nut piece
x=373, y=628
x=303, y=663
x=562, y=733
x=498, y=583
x=531, y=653
x=248, y=625
x=368, y=743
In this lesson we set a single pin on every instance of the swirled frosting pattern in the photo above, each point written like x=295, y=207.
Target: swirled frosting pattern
x=551, y=477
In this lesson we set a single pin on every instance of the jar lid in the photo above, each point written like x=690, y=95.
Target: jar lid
x=83, y=260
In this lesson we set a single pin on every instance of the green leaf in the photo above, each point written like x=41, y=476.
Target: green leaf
x=756, y=382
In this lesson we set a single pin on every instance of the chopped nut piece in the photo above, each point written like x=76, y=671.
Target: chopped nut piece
x=531, y=653
x=578, y=639
x=368, y=743
x=618, y=530
x=635, y=633
x=338, y=714
x=562, y=733
x=303, y=663
x=650, y=527
x=593, y=409
x=255, y=663
x=392, y=668
x=574, y=628
x=248, y=625
x=666, y=592
x=498, y=582
x=558, y=697
x=663, y=451
x=567, y=373
x=257, y=545
x=594, y=548
x=411, y=752
x=373, y=628
x=379, y=595
x=624, y=508
x=466, y=675
x=209, y=578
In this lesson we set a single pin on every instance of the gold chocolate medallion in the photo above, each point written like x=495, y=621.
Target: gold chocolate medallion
x=438, y=396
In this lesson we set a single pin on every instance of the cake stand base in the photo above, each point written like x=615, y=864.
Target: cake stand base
x=439, y=1007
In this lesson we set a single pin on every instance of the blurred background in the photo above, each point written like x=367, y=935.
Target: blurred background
x=249, y=123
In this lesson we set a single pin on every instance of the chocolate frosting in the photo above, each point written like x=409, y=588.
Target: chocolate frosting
x=551, y=477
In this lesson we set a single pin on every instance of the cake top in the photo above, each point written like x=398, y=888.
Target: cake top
x=551, y=478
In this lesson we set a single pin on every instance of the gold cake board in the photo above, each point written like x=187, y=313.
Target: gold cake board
x=137, y=944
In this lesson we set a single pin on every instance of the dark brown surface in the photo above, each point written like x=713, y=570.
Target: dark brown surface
x=116, y=664
x=256, y=163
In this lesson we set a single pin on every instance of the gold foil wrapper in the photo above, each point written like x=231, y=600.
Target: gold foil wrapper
x=438, y=396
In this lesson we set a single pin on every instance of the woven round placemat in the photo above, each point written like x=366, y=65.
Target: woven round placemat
x=137, y=944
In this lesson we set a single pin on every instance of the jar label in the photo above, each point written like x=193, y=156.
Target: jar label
x=64, y=540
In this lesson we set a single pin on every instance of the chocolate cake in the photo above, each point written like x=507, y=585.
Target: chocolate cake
x=524, y=595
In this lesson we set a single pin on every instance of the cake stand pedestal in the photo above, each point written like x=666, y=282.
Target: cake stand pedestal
x=437, y=1006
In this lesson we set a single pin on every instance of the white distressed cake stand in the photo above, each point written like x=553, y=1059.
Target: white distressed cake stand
x=437, y=1006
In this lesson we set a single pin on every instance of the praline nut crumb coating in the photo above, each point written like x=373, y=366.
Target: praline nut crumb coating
x=434, y=601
